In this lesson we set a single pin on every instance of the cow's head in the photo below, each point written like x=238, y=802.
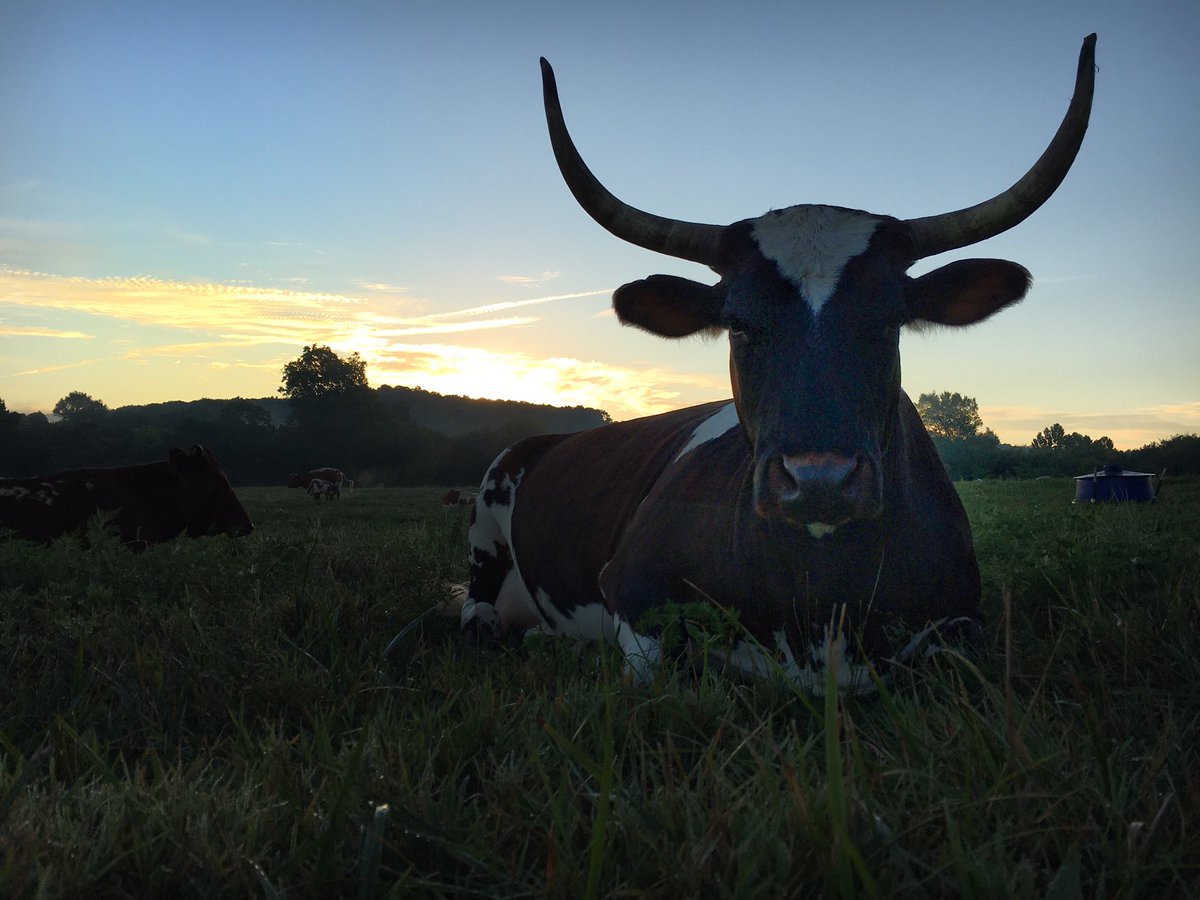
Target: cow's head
x=206, y=501
x=813, y=299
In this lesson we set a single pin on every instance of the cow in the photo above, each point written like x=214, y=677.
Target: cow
x=455, y=497
x=318, y=488
x=152, y=502
x=811, y=508
x=304, y=479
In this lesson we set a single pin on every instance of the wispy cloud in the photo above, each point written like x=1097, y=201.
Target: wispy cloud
x=22, y=186
x=380, y=287
x=504, y=306
x=15, y=331
x=624, y=391
x=1127, y=428
x=528, y=280
x=232, y=324
x=44, y=370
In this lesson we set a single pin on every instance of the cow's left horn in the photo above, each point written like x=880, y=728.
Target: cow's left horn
x=949, y=231
x=684, y=240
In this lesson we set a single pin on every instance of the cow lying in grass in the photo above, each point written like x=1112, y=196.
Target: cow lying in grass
x=812, y=508
x=150, y=503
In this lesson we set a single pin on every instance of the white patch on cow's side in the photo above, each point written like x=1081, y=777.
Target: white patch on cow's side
x=14, y=493
x=515, y=604
x=812, y=244
x=589, y=622
x=722, y=421
x=820, y=529
x=642, y=652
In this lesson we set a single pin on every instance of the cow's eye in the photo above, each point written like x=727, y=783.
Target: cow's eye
x=740, y=330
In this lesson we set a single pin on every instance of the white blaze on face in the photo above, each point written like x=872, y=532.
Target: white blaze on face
x=812, y=244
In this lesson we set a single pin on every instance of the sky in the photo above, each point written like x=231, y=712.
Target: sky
x=192, y=192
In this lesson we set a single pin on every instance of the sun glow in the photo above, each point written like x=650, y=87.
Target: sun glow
x=150, y=340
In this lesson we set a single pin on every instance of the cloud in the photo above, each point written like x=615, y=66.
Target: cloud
x=45, y=370
x=624, y=391
x=15, y=331
x=528, y=280
x=23, y=186
x=513, y=304
x=379, y=287
x=234, y=325
x=1127, y=428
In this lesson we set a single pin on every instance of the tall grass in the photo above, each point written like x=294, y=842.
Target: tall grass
x=282, y=716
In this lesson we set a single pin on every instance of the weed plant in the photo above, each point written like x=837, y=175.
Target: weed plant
x=287, y=715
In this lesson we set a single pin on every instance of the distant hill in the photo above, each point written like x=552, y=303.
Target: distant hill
x=453, y=415
x=449, y=415
x=406, y=437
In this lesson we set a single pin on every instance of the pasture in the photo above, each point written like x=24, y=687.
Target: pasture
x=281, y=715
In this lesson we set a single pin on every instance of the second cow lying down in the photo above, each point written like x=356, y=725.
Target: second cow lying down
x=187, y=492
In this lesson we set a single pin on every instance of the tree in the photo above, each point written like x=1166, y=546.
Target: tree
x=79, y=407
x=330, y=401
x=242, y=413
x=319, y=372
x=8, y=420
x=950, y=416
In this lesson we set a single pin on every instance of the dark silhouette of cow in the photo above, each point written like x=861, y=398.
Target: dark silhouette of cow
x=812, y=507
x=186, y=493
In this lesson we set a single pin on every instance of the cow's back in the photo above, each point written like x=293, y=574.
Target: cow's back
x=578, y=493
x=46, y=507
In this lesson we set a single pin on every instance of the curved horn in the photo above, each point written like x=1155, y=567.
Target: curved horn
x=685, y=240
x=949, y=231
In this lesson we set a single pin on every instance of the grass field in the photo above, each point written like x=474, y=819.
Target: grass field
x=279, y=716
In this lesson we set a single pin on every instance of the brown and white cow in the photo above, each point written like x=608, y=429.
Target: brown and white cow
x=304, y=479
x=455, y=497
x=318, y=488
x=813, y=505
x=153, y=502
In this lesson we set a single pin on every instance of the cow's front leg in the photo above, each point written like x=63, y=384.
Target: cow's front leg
x=639, y=600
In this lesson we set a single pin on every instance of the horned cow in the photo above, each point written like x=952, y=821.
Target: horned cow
x=812, y=504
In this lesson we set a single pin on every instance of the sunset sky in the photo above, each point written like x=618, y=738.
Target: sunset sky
x=191, y=192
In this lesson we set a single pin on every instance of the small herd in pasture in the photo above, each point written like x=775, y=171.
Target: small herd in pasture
x=812, y=507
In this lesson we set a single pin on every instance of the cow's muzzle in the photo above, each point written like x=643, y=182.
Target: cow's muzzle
x=818, y=488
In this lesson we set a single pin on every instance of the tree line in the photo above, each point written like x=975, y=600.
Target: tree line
x=970, y=451
x=327, y=414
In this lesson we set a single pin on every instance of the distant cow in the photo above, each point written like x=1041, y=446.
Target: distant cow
x=304, y=479
x=151, y=502
x=319, y=487
x=454, y=497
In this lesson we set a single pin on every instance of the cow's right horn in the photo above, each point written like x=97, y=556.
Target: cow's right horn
x=684, y=240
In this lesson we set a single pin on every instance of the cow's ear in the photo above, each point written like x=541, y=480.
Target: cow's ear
x=669, y=306
x=177, y=458
x=966, y=291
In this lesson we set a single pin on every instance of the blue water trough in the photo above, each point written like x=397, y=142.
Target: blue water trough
x=1115, y=483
